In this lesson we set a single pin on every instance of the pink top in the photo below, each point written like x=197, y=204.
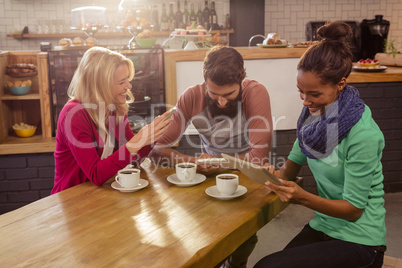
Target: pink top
x=250, y=132
x=79, y=149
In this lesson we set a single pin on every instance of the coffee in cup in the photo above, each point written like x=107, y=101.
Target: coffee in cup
x=227, y=184
x=128, y=177
x=186, y=171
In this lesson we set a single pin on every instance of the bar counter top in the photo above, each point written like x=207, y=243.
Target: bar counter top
x=14, y=145
x=392, y=74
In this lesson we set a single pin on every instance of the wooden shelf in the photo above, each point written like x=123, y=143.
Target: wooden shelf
x=34, y=144
x=97, y=35
x=32, y=96
x=32, y=108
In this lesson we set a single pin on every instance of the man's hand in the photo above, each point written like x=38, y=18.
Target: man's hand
x=149, y=133
x=208, y=168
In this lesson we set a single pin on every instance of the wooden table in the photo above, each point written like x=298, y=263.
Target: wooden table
x=161, y=225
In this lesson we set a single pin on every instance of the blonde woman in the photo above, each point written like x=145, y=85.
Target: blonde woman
x=93, y=139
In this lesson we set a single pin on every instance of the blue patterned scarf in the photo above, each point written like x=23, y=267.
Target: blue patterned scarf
x=319, y=135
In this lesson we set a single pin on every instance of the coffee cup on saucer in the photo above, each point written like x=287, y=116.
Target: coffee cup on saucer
x=128, y=177
x=227, y=184
x=186, y=171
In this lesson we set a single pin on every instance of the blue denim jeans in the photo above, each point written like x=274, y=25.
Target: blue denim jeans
x=314, y=249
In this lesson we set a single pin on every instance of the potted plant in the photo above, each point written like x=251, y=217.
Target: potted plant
x=391, y=55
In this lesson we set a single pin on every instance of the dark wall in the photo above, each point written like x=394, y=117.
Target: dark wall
x=247, y=17
x=385, y=102
x=29, y=177
x=24, y=179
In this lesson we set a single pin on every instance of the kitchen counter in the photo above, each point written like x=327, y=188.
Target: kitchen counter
x=14, y=145
x=392, y=74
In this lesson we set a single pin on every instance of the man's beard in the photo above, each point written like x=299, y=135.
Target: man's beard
x=230, y=110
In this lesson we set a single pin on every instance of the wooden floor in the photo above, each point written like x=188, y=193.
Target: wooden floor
x=391, y=262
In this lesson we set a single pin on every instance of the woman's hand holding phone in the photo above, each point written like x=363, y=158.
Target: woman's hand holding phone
x=170, y=113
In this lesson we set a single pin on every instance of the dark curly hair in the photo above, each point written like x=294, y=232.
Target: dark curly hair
x=331, y=59
x=224, y=66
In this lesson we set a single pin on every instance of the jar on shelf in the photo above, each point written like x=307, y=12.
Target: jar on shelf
x=135, y=13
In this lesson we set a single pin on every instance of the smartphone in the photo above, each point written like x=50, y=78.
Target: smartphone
x=212, y=161
x=171, y=112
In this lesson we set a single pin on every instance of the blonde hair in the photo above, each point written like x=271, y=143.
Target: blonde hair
x=92, y=83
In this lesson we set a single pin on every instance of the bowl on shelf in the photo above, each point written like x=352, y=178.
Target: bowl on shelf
x=25, y=133
x=146, y=42
x=19, y=90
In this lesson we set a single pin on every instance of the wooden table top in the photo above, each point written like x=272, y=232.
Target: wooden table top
x=391, y=74
x=162, y=225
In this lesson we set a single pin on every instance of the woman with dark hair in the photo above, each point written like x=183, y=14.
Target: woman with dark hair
x=342, y=145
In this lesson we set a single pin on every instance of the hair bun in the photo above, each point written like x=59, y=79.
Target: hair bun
x=336, y=31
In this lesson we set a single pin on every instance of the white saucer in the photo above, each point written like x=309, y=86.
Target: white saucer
x=141, y=184
x=197, y=180
x=213, y=191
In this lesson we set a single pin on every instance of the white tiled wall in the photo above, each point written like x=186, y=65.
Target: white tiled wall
x=15, y=14
x=288, y=18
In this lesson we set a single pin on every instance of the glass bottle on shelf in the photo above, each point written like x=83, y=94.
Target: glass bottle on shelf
x=205, y=16
x=193, y=16
x=213, y=17
x=186, y=14
x=227, y=22
x=155, y=19
x=164, y=19
x=199, y=15
x=179, y=16
x=172, y=19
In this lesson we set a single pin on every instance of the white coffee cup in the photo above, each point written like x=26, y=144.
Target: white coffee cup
x=227, y=184
x=128, y=177
x=186, y=171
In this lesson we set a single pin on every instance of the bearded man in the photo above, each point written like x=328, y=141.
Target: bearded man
x=232, y=115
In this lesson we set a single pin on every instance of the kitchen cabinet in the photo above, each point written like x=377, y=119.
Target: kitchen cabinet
x=32, y=108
